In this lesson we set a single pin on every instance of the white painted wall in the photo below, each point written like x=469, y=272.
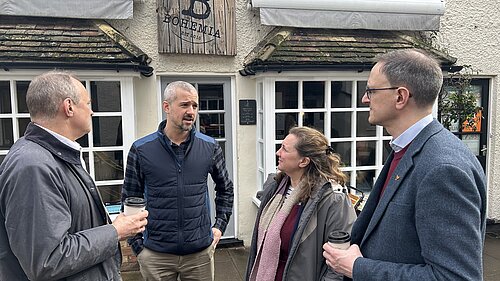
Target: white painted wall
x=469, y=31
x=247, y=165
x=146, y=105
x=142, y=31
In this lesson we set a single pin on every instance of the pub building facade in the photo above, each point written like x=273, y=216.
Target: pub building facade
x=260, y=67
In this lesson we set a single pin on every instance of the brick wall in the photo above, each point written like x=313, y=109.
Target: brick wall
x=129, y=260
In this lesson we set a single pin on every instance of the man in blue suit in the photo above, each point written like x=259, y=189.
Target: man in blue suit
x=425, y=217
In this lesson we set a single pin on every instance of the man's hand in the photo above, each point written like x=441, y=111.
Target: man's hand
x=342, y=261
x=127, y=226
x=217, y=235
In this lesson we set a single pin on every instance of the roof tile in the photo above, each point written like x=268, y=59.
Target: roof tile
x=287, y=48
x=76, y=41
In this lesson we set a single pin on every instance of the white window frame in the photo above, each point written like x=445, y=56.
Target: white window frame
x=127, y=113
x=267, y=122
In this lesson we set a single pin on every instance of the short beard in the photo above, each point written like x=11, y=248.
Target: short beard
x=185, y=128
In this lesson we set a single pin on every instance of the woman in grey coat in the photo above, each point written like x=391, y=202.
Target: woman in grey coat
x=300, y=206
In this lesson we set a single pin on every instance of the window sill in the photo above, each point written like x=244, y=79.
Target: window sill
x=256, y=201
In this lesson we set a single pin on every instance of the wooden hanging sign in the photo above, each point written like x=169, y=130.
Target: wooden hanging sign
x=197, y=27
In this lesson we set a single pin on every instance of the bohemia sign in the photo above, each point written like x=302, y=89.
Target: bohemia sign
x=197, y=27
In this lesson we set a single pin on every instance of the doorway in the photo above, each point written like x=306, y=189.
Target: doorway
x=215, y=120
x=476, y=137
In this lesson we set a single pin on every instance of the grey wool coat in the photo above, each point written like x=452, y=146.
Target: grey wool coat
x=430, y=222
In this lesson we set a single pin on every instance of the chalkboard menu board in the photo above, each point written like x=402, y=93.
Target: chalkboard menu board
x=248, y=112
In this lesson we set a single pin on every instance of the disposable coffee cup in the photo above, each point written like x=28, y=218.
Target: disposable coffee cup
x=339, y=240
x=133, y=205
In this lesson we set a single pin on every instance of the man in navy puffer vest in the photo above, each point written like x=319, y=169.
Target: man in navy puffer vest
x=169, y=168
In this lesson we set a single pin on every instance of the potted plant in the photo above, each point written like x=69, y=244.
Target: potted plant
x=457, y=103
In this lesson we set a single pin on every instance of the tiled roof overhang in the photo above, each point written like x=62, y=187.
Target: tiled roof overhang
x=297, y=49
x=39, y=43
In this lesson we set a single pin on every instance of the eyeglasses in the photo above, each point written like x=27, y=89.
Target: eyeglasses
x=370, y=91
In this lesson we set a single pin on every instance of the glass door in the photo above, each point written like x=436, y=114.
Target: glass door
x=475, y=135
x=214, y=120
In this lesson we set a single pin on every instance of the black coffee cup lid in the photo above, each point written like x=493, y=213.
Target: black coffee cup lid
x=135, y=201
x=339, y=237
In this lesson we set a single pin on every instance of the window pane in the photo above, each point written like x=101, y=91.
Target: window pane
x=341, y=124
x=386, y=149
x=222, y=145
x=106, y=96
x=260, y=96
x=314, y=94
x=261, y=125
x=108, y=165
x=361, y=92
x=341, y=94
x=212, y=124
x=363, y=128
x=86, y=158
x=344, y=150
x=287, y=95
x=385, y=132
x=6, y=134
x=472, y=141
x=107, y=131
x=261, y=179
x=261, y=153
x=1, y=158
x=23, y=123
x=315, y=120
x=22, y=88
x=276, y=150
x=110, y=193
x=83, y=141
x=5, y=106
x=364, y=180
x=211, y=96
x=365, y=153
x=349, y=176
x=284, y=122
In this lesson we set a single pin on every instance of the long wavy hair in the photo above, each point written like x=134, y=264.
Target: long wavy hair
x=324, y=163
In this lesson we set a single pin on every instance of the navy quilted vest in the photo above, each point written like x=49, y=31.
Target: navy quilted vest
x=177, y=195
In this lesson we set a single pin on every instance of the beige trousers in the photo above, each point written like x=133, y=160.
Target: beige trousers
x=156, y=266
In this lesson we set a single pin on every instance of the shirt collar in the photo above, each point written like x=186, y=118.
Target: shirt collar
x=407, y=136
x=63, y=139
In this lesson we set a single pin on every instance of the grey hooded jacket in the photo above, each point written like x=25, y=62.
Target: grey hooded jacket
x=53, y=225
x=327, y=210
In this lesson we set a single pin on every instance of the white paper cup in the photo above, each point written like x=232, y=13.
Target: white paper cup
x=133, y=205
x=339, y=240
x=342, y=246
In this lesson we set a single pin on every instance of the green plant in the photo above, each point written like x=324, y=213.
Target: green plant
x=457, y=103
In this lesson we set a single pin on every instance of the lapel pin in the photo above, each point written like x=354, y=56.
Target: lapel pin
x=397, y=177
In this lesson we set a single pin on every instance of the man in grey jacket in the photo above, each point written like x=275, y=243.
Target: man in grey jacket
x=425, y=216
x=53, y=223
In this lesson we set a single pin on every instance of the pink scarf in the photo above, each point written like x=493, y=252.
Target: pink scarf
x=269, y=240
